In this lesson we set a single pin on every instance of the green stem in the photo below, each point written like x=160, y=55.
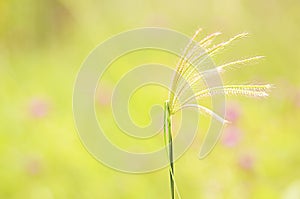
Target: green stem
x=169, y=140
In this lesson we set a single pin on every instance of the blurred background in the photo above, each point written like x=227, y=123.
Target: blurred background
x=44, y=42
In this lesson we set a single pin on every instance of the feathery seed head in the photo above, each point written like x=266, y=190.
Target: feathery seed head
x=188, y=76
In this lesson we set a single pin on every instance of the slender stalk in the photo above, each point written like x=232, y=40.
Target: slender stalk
x=169, y=140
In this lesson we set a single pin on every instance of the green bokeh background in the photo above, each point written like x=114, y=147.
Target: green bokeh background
x=44, y=42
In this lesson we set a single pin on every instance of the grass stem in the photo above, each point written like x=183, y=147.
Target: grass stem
x=169, y=141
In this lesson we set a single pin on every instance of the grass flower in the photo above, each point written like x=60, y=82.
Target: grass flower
x=190, y=74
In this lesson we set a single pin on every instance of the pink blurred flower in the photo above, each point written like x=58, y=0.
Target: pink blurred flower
x=33, y=166
x=38, y=108
x=246, y=162
x=231, y=136
x=297, y=99
x=233, y=112
x=104, y=96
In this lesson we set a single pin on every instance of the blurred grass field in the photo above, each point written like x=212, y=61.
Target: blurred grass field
x=44, y=42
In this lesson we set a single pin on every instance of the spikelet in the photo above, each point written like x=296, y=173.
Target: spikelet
x=238, y=63
x=243, y=90
x=205, y=111
x=204, y=43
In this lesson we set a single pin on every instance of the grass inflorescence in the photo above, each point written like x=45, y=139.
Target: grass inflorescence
x=190, y=74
